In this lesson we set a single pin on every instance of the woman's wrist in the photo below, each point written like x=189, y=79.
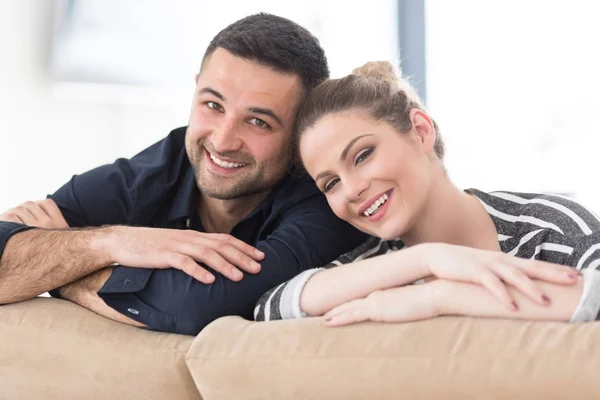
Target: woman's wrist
x=438, y=292
x=411, y=261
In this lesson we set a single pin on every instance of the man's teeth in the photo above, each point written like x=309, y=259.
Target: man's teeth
x=375, y=206
x=225, y=164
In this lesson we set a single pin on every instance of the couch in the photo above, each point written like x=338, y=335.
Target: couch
x=53, y=349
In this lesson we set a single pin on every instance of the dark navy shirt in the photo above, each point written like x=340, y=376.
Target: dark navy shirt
x=293, y=226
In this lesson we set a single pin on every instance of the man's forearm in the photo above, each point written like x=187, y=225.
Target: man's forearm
x=37, y=260
x=459, y=298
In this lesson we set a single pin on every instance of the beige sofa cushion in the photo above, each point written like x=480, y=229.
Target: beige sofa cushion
x=53, y=349
x=444, y=358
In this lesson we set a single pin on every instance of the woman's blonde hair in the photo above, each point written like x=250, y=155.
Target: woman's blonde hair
x=376, y=88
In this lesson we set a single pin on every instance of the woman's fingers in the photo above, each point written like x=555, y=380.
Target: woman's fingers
x=545, y=271
x=491, y=282
x=349, y=313
x=516, y=278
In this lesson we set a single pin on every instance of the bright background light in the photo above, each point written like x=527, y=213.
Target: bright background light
x=513, y=84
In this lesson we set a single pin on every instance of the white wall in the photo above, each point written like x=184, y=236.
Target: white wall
x=47, y=133
x=514, y=86
x=50, y=130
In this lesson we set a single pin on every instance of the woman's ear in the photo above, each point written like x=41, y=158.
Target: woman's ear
x=422, y=127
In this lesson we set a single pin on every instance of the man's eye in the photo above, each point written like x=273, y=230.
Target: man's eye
x=214, y=106
x=364, y=155
x=330, y=184
x=259, y=122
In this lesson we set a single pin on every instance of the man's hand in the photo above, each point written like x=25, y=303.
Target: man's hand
x=41, y=214
x=182, y=249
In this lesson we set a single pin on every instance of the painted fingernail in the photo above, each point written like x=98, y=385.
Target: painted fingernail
x=515, y=307
x=545, y=299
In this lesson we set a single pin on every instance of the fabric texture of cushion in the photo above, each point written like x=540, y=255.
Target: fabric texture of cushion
x=54, y=349
x=443, y=358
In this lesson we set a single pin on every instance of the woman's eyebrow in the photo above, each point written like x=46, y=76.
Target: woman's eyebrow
x=349, y=145
x=343, y=156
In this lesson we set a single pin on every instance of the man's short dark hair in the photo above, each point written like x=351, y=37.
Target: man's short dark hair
x=275, y=42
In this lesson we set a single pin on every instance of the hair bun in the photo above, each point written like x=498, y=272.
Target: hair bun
x=380, y=70
x=384, y=71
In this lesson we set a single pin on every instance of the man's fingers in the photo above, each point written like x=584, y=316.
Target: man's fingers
x=224, y=239
x=227, y=251
x=213, y=260
x=190, y=267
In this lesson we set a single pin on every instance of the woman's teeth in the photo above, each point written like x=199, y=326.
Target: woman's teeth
x=375, y=206
x=225, y=164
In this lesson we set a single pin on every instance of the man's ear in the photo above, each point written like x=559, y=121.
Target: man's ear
x=422, y=127
x=196, y=77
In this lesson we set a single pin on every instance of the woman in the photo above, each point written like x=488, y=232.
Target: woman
x=377, y=156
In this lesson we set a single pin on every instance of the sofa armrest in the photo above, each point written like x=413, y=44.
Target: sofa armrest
x=443, y=358
x=54, y=349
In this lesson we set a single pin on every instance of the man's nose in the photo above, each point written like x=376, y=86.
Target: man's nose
x=225, y=137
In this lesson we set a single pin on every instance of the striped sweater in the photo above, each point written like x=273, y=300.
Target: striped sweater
x=529, y=225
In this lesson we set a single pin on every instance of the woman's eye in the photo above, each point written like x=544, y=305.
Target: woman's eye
x=259, y=122
x=329, y=185
x=214, y=106
x=363, y=155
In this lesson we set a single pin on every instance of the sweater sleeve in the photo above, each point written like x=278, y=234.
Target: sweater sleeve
x=586, y=258
x=283, y=301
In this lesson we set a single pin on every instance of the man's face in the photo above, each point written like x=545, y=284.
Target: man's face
x=239, y=138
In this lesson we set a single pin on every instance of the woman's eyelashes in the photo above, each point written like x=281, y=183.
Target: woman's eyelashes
x=360, y=157
x=363, y=155
x=330, y=184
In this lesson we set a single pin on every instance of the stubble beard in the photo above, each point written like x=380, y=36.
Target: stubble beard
x=245, y=184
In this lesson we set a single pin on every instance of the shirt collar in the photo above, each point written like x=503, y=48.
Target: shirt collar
x=187, y=196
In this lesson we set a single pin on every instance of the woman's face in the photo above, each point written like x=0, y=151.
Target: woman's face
x=374, y=177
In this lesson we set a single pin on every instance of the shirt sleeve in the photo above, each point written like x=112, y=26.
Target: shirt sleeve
x=586, y=258
x=283, y=301
x=307, y=235
x=7, y=229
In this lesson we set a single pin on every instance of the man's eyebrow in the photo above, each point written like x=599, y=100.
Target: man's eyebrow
x=343, y=156
x=265, y=111
x=211, y=91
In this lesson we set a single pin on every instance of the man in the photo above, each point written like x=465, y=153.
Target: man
x=161, y=240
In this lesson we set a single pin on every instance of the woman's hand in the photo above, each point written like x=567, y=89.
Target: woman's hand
x=403, y=304
x=494, y=270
